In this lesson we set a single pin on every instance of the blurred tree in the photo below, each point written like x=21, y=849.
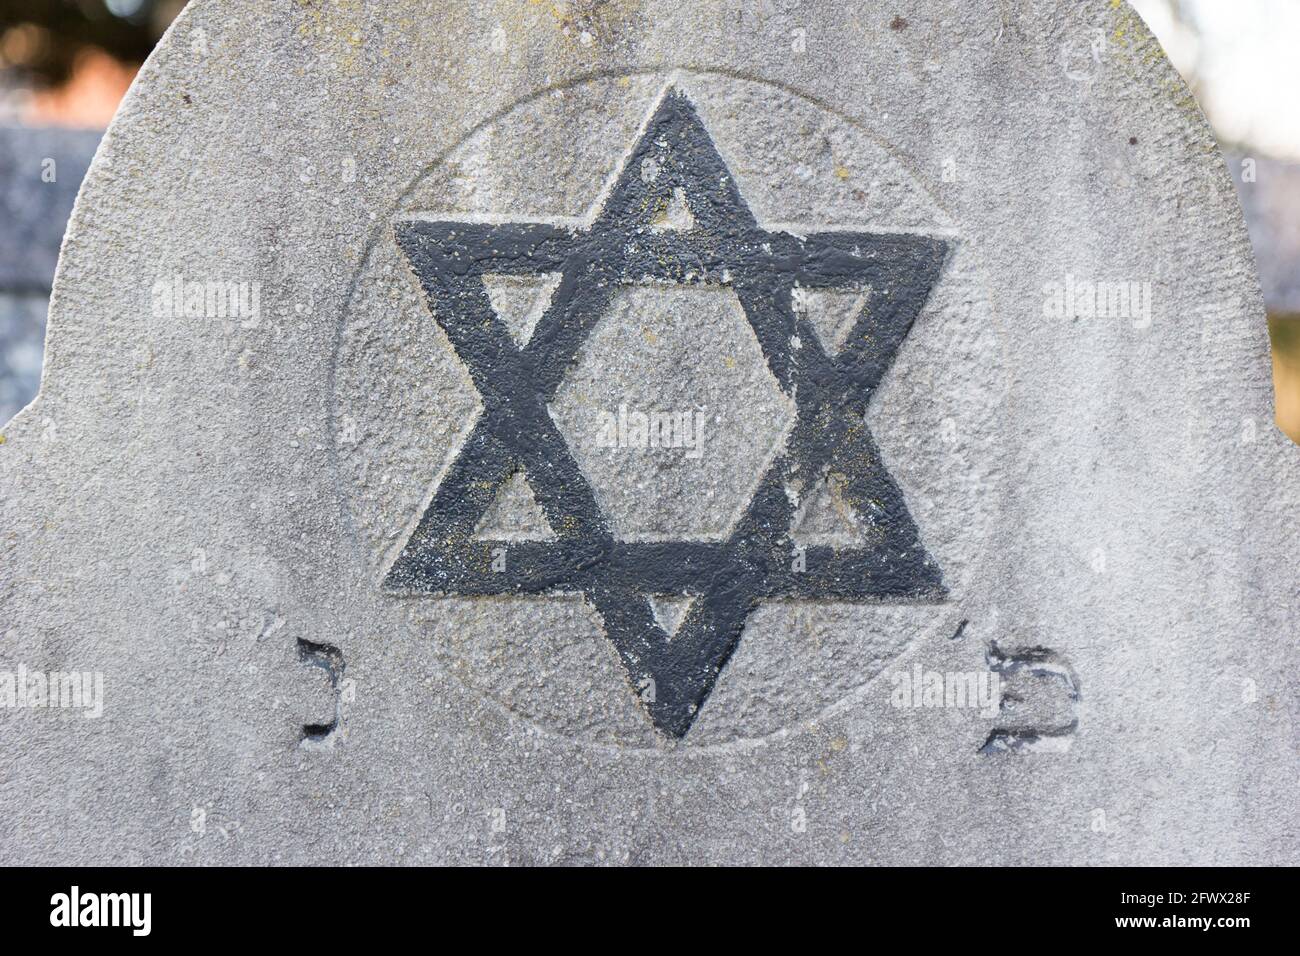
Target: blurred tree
x=41, y=40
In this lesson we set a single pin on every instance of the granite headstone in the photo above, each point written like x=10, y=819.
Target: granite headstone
x=646, y=432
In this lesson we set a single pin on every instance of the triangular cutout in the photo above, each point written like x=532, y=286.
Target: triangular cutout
x=677, y=216
x=521, y=301
x=514, y=515
x=670, y=610
x=832, y=312
x=826, y=519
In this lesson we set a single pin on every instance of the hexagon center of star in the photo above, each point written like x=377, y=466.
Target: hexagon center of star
x=672, y=413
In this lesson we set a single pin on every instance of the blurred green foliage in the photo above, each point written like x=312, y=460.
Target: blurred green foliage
x=1285, y=330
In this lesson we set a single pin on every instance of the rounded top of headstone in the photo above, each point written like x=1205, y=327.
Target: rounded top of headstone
x=676, y=215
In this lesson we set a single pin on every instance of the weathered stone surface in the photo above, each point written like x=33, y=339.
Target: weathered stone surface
x=241, y=517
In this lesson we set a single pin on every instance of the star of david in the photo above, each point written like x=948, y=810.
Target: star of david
x=759, y=561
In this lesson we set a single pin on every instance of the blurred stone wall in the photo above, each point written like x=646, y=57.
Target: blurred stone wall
x=40, y=173
x=1270, y=195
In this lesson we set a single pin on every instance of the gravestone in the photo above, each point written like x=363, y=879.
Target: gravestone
x=643, y=432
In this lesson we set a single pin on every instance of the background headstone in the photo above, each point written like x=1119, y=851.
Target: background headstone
x=205, y=503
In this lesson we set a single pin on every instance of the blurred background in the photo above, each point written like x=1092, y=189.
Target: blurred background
x=65, y=65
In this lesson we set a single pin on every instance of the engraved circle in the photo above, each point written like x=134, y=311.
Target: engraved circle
x=404, y=404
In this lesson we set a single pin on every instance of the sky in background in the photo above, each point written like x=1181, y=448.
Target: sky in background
x=1241, y=58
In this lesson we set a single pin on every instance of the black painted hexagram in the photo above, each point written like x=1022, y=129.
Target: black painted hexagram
x=760, y=560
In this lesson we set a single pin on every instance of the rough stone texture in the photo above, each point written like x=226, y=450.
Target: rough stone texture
x=685, y=350
x=204, y=508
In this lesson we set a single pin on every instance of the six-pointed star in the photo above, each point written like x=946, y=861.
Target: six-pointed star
x=674, y=157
